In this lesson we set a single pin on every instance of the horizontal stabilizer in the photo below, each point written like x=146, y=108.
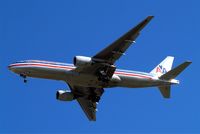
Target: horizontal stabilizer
x=165, y=91
x=176, y=71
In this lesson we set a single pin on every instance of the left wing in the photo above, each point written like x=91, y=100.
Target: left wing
x=88, y=107
x=88, y=99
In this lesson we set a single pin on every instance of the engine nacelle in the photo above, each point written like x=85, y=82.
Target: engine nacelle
x=64, y=95
x=82, y=61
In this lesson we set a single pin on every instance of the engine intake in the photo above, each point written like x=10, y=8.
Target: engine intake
x=82, y=61
x=64, y=95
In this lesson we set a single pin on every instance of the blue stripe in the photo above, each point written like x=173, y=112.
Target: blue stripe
x=45, y=62
x=71, y=65
x=135, y=72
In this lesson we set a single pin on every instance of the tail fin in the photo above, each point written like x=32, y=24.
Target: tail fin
x=165, y=90
x=164, y=66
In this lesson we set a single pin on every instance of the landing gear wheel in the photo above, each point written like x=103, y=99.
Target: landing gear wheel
x=24, y=77
x=103, y=76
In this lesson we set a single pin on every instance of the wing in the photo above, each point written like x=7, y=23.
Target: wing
x=103, y=66
x=114, y=51
x=88, y=107
x=88, y=98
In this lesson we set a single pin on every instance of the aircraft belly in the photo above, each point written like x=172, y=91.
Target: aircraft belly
x=87, y=80
x=46, y=73
x=134, y=82
x=80, y=79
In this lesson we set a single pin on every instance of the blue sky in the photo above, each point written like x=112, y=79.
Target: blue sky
x=59, y=30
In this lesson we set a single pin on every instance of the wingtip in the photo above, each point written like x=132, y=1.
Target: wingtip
x=188, y=61
x=150, y=17
x=92, y=120
x=170, y=56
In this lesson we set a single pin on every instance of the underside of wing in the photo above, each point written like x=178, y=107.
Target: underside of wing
x=114, y=51
x=88, y=99
x=88, y=107
x=102, y=64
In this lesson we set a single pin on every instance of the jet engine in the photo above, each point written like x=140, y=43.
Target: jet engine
x=64, y=95
x=82, y=61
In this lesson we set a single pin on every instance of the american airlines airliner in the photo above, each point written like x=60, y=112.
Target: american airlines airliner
x=87, y=77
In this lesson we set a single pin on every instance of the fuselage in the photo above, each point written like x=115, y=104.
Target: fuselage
x=66, y=72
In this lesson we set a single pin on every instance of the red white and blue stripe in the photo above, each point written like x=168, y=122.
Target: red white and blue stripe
x=65, y=66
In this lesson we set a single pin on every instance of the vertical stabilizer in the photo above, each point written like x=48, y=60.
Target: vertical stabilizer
x=164, y=66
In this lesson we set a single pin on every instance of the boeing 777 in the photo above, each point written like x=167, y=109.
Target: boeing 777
x=88, y=76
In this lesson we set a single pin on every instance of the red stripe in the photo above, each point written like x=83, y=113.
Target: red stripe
x=67, y=67
x=128, y=74
x=44, y=65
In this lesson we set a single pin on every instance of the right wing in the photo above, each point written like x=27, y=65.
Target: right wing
x=105, y=59
x=114, y=51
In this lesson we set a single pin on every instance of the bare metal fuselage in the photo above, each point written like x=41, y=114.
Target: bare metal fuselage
x=65, y=72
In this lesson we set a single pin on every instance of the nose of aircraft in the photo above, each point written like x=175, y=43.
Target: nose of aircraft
x=17, y=67
x=11, y=67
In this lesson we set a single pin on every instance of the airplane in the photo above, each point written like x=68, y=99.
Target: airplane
x=87, y=77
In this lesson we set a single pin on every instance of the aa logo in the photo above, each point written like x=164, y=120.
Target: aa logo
x=161, y=69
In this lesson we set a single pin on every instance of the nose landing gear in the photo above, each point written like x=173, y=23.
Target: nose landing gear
x=24, y=77
x=25, y=81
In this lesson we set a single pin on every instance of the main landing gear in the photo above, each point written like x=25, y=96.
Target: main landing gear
x=94, y=98
x=24, y=77
x=105, y=74
x=95, y=95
